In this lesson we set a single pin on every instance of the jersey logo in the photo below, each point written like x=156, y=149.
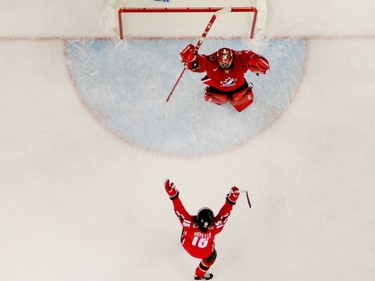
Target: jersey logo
x=229, y=82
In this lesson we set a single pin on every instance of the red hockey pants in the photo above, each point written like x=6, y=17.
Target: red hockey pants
x=240, y=100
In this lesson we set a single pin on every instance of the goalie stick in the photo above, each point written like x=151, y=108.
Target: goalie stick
x=200, y=41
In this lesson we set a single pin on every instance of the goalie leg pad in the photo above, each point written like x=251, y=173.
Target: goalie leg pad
x=215, y=98
x=242, y=99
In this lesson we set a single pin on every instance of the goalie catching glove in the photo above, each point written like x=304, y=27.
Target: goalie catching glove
x=258, y=64
x=170, y=188
x=233, y=195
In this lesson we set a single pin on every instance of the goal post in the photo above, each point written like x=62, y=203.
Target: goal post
x=235, y=26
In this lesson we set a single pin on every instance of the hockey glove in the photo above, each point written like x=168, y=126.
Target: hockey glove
x=233, y=195
x=170, y=188
x=188, y=54
x=258, y=64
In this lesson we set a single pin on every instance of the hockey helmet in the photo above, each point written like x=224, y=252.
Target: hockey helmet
x=225, y=57
x=205, y=218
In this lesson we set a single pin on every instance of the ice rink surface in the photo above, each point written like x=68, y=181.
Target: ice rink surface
x=79, y=203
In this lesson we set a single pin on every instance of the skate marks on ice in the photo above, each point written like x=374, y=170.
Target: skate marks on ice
x=125, y=84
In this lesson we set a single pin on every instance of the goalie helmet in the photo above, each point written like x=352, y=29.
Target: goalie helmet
x=225, y=57
x=205, y=218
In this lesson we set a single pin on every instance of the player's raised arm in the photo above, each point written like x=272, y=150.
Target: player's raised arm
x=223, y=215
x=179, y=209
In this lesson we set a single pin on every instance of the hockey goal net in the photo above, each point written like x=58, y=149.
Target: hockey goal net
x=185, y=22
x=184, y=18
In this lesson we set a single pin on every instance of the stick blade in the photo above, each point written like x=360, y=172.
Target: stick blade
x=248, y=198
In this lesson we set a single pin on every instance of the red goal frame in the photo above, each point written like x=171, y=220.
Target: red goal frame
x=125, y=10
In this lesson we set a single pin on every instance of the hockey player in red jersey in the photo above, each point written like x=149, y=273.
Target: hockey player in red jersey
x=199, y=231
x=225, y=74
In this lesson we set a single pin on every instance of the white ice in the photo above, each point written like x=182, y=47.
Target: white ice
x=77, y=203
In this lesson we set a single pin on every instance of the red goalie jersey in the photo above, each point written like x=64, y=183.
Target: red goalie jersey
x=197, y=243
x=233, y=77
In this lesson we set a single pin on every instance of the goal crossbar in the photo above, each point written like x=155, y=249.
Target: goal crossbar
x=125, y=10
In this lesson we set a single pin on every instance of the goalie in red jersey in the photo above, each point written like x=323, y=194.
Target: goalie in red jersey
x=199, y=231
x=225, y=74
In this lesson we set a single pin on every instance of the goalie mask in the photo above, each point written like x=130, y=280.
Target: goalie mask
x=225, y=57
x=205, y=219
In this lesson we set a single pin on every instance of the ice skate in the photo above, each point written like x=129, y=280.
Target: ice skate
x=207, y=276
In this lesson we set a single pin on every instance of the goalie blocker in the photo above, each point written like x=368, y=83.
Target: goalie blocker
x=225, y=74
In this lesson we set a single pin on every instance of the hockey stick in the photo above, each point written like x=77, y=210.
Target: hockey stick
x=247, y=197
x=200, y=41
